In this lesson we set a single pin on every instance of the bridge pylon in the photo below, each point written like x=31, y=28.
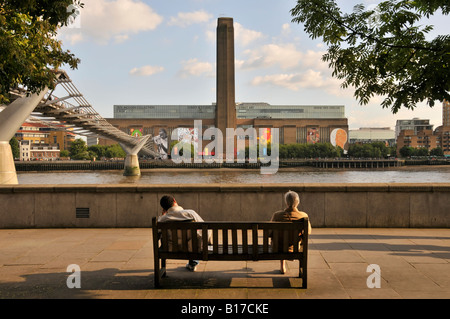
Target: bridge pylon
x=11, y=118
x=132, y=161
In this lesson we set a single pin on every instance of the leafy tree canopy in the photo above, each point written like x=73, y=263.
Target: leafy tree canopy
x=323, y=150
x=29, y=50
x=78, y=149
x=15, y=147
x=383, y=51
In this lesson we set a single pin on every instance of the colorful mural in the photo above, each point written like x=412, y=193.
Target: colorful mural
x=313, y=136
x=338, y=137
x=136, y=132
x=162, y=143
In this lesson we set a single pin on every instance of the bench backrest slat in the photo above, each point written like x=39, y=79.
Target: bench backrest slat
x=165, y=241
x=255, y=241
x=184, y=241
x=215, y=241
x=205, y=241
x=245, y=241
x=174, y=239
x=225, y=241
x=265, y=240
x=234, y=240
x=195, y=244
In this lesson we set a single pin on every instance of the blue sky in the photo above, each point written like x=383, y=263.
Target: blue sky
x=164, y=52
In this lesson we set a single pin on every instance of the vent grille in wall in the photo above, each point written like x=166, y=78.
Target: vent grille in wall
x=82, y=212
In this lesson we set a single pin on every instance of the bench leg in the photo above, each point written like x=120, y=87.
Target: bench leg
x=302, y=274
x=156, y=272
x=163, y=268
x=304, y=280
x=156, y=278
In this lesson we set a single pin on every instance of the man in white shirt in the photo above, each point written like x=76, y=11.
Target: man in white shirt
x=173, y=212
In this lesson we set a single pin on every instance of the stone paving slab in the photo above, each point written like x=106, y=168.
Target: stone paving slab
x=118, y=263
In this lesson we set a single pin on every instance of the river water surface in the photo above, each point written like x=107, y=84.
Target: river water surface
x=422, y=174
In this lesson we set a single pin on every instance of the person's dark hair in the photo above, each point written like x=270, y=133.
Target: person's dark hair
x=166, y=201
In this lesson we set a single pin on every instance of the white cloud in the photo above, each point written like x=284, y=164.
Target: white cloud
x=293, y=81
x=286, y=29
x=245, y=36
x=309, y=79
x=193, y=67
x=74, y=38
x=284, y=55
x=301, y=69
x=121, y=38
x=313, y=59
x=185, y=19
x=103, y=20
x=146, y=70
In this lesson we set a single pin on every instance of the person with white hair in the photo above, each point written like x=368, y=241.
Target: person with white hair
x=290, y=213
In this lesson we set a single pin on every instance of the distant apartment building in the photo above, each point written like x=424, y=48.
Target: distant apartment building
x=419, y=133
x=416, y=125
x=38, y=133
x=372, y=134
x=446, y=114
x=38, y=151
x=421, y=139
x=443, y=132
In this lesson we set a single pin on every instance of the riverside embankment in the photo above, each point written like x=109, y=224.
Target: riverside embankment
x=328, y=205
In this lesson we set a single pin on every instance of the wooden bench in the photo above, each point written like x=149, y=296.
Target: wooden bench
x=230, y=241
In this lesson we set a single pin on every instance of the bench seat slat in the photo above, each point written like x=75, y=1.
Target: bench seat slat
x=230, y=255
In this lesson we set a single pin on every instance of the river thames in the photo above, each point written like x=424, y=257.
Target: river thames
x=422, y=174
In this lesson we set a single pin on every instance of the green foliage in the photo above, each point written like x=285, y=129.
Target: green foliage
x=78, y=150
x=103, y=151
x=373, y=150
x=437, y=152
x=115, y=151
x=408, y=151
x=29, y=50
x=383, y=51
x=99, y=151
x=420, y=152
x=64, y=153
x=322, y=150
x=15, y=147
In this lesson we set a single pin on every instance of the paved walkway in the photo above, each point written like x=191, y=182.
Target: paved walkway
x=118, y=263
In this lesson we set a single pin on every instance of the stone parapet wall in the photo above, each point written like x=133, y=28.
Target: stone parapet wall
x=328, y=205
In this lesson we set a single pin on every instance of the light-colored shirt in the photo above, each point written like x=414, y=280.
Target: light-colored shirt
x=179, y=214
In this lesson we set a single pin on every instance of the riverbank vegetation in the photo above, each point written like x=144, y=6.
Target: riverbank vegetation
x=322, y=150
x=80, y=151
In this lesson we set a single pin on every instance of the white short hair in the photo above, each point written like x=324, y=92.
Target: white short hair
x=292, y=199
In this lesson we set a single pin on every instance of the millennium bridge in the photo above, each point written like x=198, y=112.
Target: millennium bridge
x=77, y=116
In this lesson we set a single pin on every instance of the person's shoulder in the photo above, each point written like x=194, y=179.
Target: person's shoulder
x=301, y=214
x=277, y=215
x=162, y=218
x=193, y=214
